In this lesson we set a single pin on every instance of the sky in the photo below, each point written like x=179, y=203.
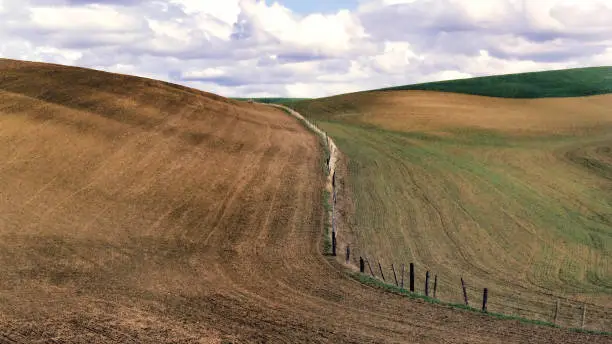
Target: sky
x=305, y=7
x=308, y=48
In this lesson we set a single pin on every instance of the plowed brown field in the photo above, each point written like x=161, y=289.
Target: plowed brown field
x=134, y=211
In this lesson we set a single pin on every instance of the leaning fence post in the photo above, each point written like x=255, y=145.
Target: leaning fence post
x=361, y=265
x=435, y=285
x=370, y=266
x=427, y=283
x=348, y=253
x=394, y=275
x=402, y=286
x=556, y=312
x=583, y=314
x=381, y=272
x=334, y=243
x=485, y=296
x=333, y=218
x=465, y=297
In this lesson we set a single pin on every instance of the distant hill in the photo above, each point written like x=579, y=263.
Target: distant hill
x=272, y=100
x=549, y=84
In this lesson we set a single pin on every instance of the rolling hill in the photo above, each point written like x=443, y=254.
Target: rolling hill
x=576, y=82
x=137, y=211
x=510, y=194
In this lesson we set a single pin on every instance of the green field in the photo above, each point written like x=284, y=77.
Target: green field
x=562, y=83
x=528, y=215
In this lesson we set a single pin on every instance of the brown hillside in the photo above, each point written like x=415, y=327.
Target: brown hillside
x=134, y=211
x=439, y=111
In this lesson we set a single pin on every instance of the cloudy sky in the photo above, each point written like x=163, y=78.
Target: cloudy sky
x=308, y=48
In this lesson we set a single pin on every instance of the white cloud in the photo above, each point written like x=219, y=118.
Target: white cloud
x=396, y=56
x=448, y=75
x=276, y=28
x=253, y=47
x=88, y=18
x=603, y=59
x=227, y=10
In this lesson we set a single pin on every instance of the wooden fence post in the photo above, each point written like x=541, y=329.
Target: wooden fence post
x=465, y=297
x=394, y=275
x=334, y=243
x=402, y=286
x=361, y=265
x=485, y=296
x=583, y=314
x=435, y=285
x=556, y=313
x=370, y=266
x=333, y=217
x=412, y=277
x=381, y=272
x=348, y=253
x=427, y=283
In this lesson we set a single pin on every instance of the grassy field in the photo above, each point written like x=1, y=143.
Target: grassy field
x=561, y=83
x=513, y=195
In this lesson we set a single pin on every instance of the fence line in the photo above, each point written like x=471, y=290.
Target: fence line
x=561, y=312
x=566, y=313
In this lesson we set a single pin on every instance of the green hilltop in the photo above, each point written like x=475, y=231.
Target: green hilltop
x=576, y=82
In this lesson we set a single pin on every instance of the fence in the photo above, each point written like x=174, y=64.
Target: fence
x=537, y=308
x=562, y=312
x=559, y=311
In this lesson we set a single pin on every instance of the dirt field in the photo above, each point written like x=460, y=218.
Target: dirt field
x=134, y=211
